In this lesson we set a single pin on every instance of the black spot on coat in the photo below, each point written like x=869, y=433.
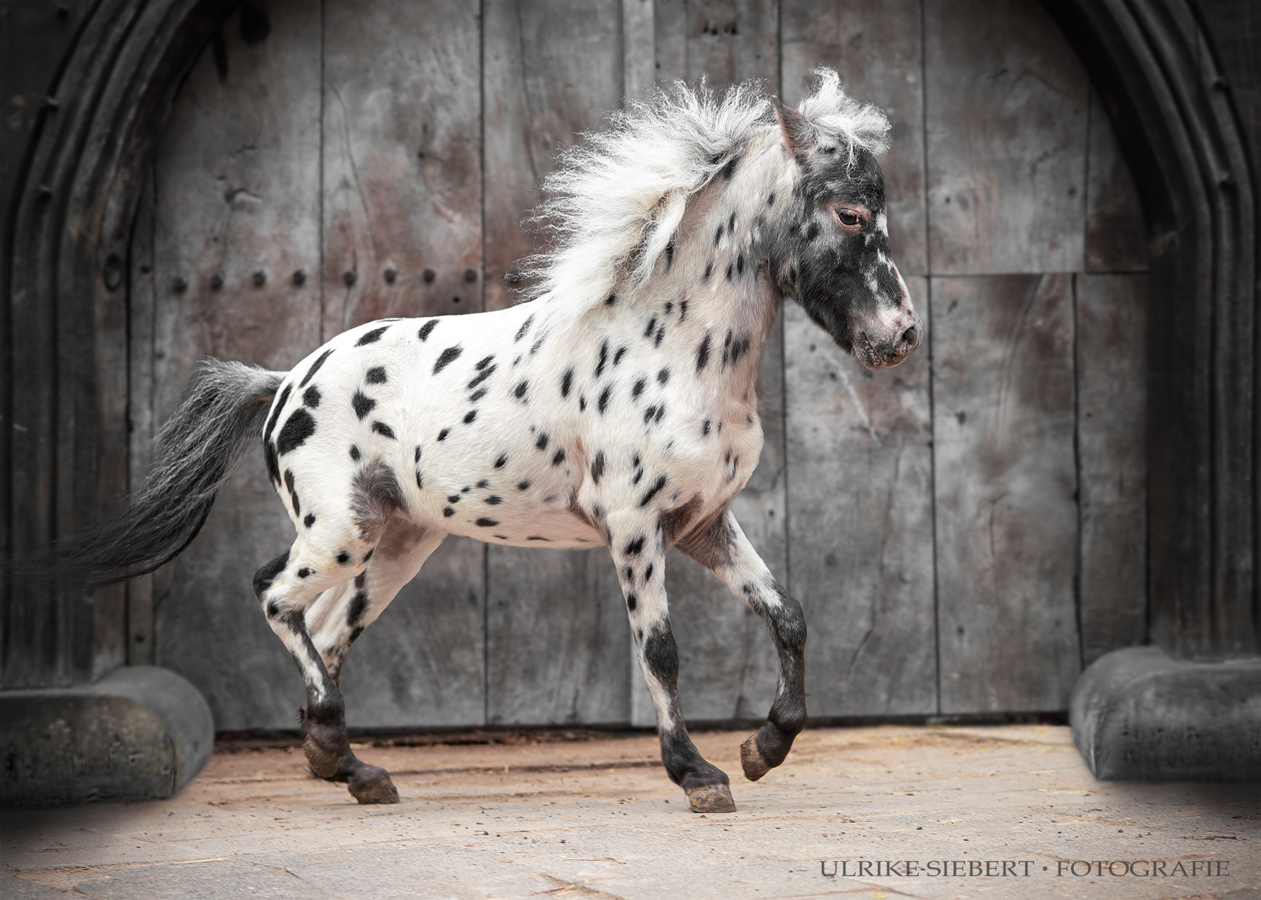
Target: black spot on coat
x=375, y=375
x=382, y=429
x=426, y=328
x=315, y=367
x=448, y=356
x=362, y=403
x=299, y=427
x=371, y=337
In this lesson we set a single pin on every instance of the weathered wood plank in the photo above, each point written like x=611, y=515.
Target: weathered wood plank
x=861, y=525
x=1005, y=479
x=1006, y=107
x=553, y=620
x=878, y=50
x=403, y=197
x=558, y=649
x=402, y=161
x=670, y=27
x=1116, y=235
x=639, y=70
x=1111, y=364
x=552, y=68
x=238, y=192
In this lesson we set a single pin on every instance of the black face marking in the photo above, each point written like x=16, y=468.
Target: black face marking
x=635, y=547
x=632, y=603
x=682, y=310
x=362, y=404
x=731, y=272
x=420, y=481
x=709, y=270
x=650, y=414
x=525, y=326
x=520, y=390
x=484, y=522
x=638, y=388
x=604, y=355
x=559, y=457
x=582, y=403
x=770, y=201
x=309, y=520
x=669, y=254
x=566, y=381
x=702, y=353
x=382, y=429
x=718, y=236
x=354, y=453
x=501, y=460
x=470, y=416
x=612, y=299
x=442, y=435
x=448, y=512
x=726, y=348
x=416, y=456
x=312, y=397
x=541, y=443
x=277, y=410
x=653, y=491
x=537, y=344
x=617, y=357
x=486, y=372
x=603, y=402
x=494, y=500
x=483, y=484
x=448, y=356
x=371, y=337
x=629, y=575
x=423, y=334
x=597, y=467
x=739, y=263
x=813, y=231
x=731, y=223
x=652, y=326
x=315, y=367
x=705, y=428
x=453, y=498
x=648, y=573
x=299, y=427
x=664, y=375
x=523, y=485
x=343, y=558
x=375, y=375
x=661, y=332
x=304, y=572
x=729, y=169
x=477, y=395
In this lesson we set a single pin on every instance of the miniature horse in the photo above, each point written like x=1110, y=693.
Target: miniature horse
x=615, y=408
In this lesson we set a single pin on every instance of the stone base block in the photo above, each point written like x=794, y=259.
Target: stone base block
x=139, y=733
x=1140, y=715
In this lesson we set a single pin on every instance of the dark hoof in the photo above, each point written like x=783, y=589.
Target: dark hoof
x=324, y=761
x=751, y=759
x=372, y=784
x=711, y=798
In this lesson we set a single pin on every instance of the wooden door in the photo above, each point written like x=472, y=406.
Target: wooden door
x=964, y=531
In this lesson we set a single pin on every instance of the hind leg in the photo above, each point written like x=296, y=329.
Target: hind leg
x=639, y=552
x=340, y=615
x=724, y=550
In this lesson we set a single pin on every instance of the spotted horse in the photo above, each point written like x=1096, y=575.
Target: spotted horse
x=614, y=407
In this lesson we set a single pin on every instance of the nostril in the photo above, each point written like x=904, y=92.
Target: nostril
x=910, y=336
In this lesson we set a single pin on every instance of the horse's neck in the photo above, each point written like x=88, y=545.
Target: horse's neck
x=717, y=270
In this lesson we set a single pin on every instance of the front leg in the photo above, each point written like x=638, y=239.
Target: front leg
x=639, y=553
x=723, y=549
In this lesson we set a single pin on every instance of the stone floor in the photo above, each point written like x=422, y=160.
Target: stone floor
x=932, y=812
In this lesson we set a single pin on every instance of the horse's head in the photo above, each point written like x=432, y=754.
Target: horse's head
x=835, y=246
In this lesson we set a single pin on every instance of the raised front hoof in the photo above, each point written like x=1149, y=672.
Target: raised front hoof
x=372, y=784
x=324, y=760
x=751, y=759
x=711, y=798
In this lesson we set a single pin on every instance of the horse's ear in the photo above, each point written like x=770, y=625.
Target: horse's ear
x=797, y=130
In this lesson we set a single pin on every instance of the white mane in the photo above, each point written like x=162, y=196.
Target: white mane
x=617, y=197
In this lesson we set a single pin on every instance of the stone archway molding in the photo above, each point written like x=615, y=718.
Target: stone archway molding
x=1188, y=708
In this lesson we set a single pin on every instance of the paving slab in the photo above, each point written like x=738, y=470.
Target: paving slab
x=892, y=811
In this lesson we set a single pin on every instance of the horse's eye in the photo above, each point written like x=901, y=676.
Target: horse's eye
x=848, y=218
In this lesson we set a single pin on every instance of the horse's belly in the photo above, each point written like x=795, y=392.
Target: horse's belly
x=557, y=529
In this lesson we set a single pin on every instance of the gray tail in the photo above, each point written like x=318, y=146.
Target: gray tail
x=224, y=405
